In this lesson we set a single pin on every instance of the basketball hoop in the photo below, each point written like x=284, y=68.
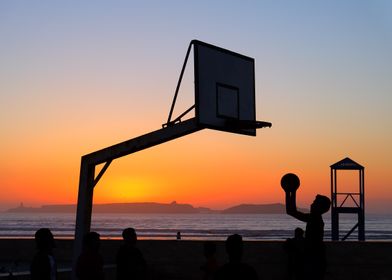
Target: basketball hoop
x=224, y=90
x=246, y=124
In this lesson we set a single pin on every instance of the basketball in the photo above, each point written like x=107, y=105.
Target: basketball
x=290, y=182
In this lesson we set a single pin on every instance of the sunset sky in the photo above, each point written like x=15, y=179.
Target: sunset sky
x=78, y=76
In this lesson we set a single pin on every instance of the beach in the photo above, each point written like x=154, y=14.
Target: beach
x=172, y=259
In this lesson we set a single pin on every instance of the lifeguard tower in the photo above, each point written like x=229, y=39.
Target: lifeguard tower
x=340, y=200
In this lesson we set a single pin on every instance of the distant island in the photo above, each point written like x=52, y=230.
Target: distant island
x=153, y=207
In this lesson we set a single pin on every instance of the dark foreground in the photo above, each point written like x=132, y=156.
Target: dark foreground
x=174, y=260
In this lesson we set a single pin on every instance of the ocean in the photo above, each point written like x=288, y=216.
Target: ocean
x=192, y=226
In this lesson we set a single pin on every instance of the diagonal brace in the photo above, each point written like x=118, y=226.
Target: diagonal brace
x=96, y=180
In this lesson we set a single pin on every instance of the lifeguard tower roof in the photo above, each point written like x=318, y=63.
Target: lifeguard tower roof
x=347, y=164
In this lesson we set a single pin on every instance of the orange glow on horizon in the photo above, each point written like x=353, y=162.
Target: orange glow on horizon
x=212, y=169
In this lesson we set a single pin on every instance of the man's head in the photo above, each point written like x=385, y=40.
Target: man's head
x=92, y=241
x=320, y=205
x=129, y=235
x=44, y=239
x=234, y=247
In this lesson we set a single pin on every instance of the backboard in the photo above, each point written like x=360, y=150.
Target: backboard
x=224, y=88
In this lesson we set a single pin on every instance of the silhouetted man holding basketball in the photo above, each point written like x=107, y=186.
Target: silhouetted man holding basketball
x=314, y=234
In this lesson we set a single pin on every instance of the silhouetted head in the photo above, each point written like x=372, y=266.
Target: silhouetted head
x=234, y=247
x=298, y=233
x=44, y=239
x=320, y=205
x=209, y=249
x=91, y=241
x=129, y=235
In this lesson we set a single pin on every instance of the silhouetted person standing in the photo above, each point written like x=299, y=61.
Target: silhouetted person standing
x=211, y=265
x=295, y=248
x=235, y=269
x=315, y=261
x=129, y=259
x=43, y=266
x=89, y=265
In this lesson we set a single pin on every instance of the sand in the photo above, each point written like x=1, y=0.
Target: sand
x=173, y=260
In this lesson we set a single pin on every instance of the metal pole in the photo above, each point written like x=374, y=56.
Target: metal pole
x=84, y=209
x=334, y=211
x=179, y=83
x=361, y=229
